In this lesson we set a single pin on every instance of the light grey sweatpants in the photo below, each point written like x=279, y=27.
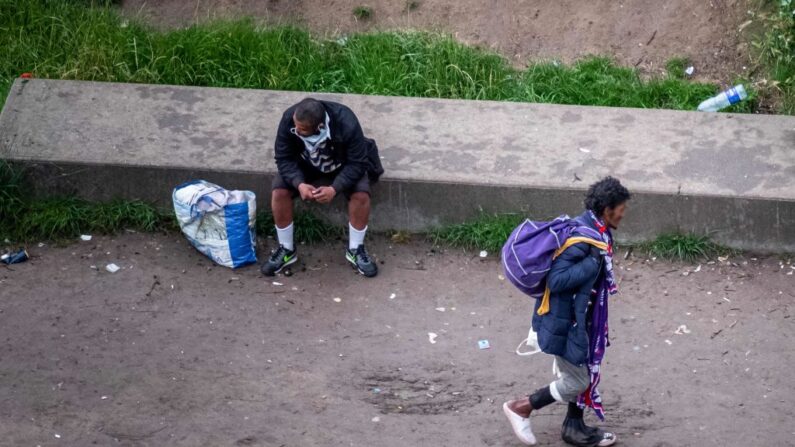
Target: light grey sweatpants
x=573, y=381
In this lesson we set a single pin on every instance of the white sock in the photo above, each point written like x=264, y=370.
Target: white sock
x=285, y=236
x=355, y=237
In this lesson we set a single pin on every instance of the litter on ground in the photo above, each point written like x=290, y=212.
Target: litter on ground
x=432, y=337
x=112, y=268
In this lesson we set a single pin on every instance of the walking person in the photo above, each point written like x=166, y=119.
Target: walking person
x=321, y=152
x=571, y=322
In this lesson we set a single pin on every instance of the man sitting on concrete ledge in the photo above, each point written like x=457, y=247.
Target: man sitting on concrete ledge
x=321, y=152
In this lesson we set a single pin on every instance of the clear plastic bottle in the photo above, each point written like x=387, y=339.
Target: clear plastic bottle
x=723, y=99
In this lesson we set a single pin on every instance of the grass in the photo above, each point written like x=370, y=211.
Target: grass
x=488, y=232
x=684, y=247
x=309, y=228
x=676, y=67
x=362, y=12
x=65, y=40
x=66, y=218
x=776, y=48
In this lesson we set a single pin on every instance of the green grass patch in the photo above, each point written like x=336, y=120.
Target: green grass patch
x=363, y=12
x=676, y=67
x=488, y=232
x=309, y=228
x=59, y=219
x=684, y=247
x=776, y=48
x=65, y=40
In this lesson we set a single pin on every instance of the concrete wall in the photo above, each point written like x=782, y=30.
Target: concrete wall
x=732, y=176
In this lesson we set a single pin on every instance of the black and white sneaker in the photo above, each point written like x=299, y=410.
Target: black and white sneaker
x=576, y=433
x=279, y=259
x=361, y=261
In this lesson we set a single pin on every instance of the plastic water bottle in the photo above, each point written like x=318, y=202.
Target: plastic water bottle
x=723, y=99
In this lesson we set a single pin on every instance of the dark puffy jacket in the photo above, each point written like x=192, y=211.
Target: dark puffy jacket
x=563, y=330
x=357, y=154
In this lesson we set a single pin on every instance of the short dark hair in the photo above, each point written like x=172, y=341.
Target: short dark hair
x=606, y=193
x=311, y=112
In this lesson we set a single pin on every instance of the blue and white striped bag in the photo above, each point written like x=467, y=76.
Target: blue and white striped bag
x=218, y=222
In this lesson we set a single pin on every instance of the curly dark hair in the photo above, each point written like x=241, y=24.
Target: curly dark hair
x=606, y=193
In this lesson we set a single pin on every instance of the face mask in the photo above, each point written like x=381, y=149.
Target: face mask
x=311, y=142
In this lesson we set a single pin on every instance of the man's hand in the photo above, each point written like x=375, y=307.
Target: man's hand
x=307, y=191
x=324, y=194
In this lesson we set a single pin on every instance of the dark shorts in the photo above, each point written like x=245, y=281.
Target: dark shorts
x=363, y=185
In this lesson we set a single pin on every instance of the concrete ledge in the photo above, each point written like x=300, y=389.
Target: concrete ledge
x=730, y=175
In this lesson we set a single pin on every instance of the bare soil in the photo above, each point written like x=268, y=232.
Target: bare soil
x=174, y=351
x=642, y=33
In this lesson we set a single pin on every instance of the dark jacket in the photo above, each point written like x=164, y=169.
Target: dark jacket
x=357, y=154
x=563, y=330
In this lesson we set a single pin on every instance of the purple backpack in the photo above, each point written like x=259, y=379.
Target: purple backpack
x=527, y=254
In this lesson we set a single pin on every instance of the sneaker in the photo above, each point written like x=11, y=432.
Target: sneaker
x=520, y=425
x=361, y=261
x=280, y=258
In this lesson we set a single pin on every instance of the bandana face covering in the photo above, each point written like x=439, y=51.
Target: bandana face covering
x=313, y=142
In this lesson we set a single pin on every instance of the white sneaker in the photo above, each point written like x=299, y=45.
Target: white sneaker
x=520, y=425
x=607, y=439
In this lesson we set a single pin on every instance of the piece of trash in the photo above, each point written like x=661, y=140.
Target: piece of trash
x=14, y=257
x=104, y=397
x=113, y=268
x=41, y=244
x=337, y=300
x=501, y=278
x=440, y=309
x=585, y=150
x=392, y=297
x=698, y=269
x=682, y=330
x=723, y=258
x=377, y=390
x=727, y=300
x=432, y=337
x=58, y=436
x=669, y=342
x=85, y=237
x=690, y=70
x=723, y=99
x=483, y=253
x=483, y=344
x=275, y=283
x=375, y=419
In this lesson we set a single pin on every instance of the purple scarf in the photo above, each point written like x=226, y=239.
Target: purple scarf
x=598, y=333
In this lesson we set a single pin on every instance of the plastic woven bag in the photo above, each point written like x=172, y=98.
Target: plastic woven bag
x=217, y=222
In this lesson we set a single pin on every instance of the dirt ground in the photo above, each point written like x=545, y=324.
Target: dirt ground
x=173, y=351
x=642, y=33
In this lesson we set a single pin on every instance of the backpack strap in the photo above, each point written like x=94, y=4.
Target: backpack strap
x=544, y=307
